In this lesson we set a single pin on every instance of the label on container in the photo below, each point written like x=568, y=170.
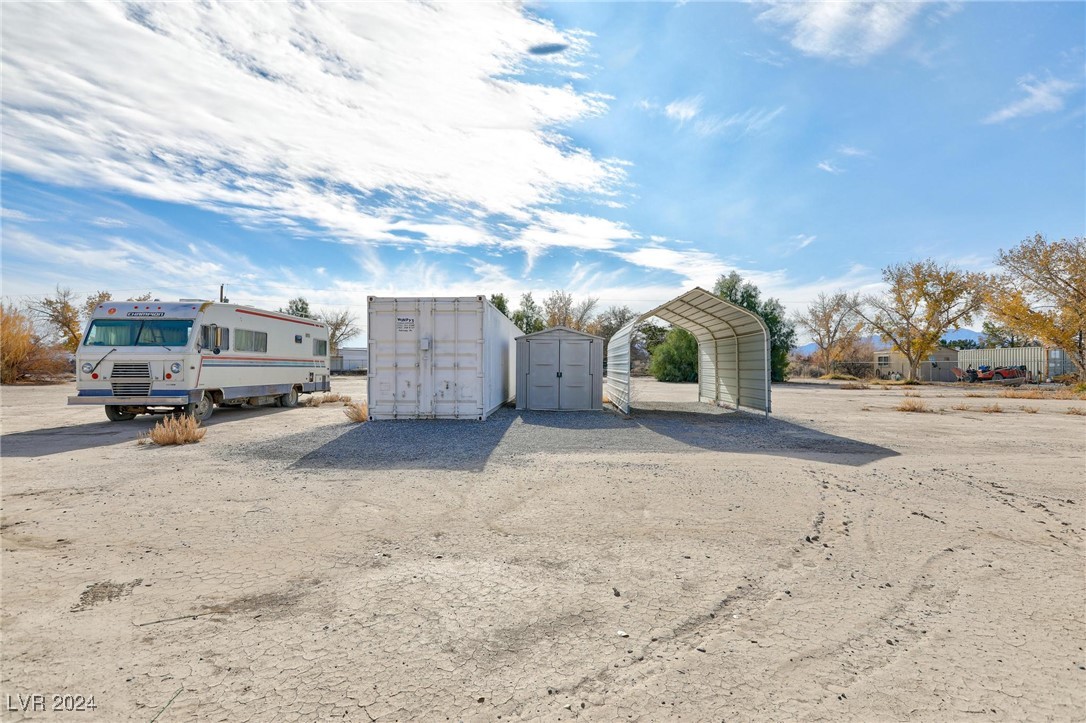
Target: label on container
x=405, y=323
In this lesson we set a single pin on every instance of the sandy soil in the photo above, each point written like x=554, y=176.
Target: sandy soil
x=841, y=560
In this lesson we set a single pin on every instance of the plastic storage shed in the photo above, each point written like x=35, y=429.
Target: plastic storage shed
x=733, y=351
x=559, y=369
x=438, y=358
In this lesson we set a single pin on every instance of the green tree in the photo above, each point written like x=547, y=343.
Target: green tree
x=529, y=317
x=500, y=303
x=959, y=343
x=298, y=307
x=923, y=301
x=782, y=334
x=1000, y=335
x=676, y=358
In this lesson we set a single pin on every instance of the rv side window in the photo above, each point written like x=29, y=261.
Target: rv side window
x=320, y=347
x=246, y=340
x=207, y=342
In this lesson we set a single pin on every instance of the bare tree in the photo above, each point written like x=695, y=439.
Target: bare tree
x=62, y=315
x=582, y=313
x=923, y=302
x=342, y=325
x=832, y=322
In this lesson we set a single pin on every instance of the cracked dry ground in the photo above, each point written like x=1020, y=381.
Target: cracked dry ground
x=828, y=563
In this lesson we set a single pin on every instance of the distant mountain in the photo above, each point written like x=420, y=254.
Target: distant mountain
x=976, y=336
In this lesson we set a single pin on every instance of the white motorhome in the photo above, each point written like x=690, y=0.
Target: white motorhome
x=152, y=357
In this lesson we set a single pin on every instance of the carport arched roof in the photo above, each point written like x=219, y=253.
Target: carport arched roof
x=733, y=351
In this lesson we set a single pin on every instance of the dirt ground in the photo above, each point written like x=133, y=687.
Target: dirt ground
x=840, y=560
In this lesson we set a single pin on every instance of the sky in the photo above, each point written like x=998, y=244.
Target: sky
x=623, y=151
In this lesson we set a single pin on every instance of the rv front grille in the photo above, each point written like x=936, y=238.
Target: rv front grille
x=128, y=370
x=131, y=389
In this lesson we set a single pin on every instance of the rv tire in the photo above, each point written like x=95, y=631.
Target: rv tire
x=200, y=410
x=290, y=399
x=117, y=414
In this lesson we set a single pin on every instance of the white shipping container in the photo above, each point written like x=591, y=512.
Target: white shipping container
x=439, y=358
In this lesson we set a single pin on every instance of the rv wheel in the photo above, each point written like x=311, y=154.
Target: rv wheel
x=201, y=410
x=290, y=399
x=117, y=414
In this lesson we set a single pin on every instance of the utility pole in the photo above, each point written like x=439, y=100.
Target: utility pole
x=222, y=292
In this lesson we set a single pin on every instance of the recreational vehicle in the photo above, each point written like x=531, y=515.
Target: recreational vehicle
x=152, y=357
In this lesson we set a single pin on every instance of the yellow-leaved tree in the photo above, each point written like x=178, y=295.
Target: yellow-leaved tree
x=923, y=302
x=832, y=322
x=1042, y=294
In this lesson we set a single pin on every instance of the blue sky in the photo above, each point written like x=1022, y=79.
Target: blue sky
x=339, y=151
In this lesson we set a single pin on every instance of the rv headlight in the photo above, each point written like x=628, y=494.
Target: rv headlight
x=87, y=367
x=175, y=367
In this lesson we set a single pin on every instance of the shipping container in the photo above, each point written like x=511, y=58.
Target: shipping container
x=439, y=358
x=1040, y=362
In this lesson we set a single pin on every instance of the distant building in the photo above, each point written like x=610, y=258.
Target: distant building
x=1041, y=362
x=937, y=367
x=351, y=359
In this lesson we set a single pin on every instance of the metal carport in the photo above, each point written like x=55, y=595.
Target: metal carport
x=733, y=351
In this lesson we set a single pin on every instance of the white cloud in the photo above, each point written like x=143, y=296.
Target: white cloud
x=554, y=229
x=803, y=241
x=357, y=118
x=853, y=151
x=1042, y=96
x=16, y=215
x=828, y=167
x=852, y=31
x=683, y=110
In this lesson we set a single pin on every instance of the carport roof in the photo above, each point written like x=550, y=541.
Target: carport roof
x=707, y=316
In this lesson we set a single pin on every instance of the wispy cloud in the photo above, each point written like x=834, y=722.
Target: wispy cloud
x=689, y=112
x=369, y=122
x=1042, y=96
x=828, y=167
x=683, y=110
x=853, y=151
x=802, y=241
x=853, y=31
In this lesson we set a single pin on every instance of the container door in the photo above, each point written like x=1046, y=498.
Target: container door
x=543, y=368
x=456, y=384
x=575, y=381
x=393, y=343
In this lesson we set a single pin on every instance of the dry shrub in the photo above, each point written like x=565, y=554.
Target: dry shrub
x=1041, y=394
x=1077, y=411
x=975, y=394
x=855, y=385
x=315, y=400
x=23, y=354
x=912, y=405
x=912, y=394
x=991, y=409
x=1030, y=410
x=960, y=407
x=865, y=408
x=174, y=430
x=357, y=412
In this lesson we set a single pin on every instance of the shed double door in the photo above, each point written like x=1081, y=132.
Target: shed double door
x=559, y=374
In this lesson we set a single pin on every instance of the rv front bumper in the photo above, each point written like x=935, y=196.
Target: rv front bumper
x=174, y=400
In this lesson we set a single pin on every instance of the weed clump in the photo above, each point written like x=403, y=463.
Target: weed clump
x=992, y=409
x=357, y=412
x=184, y=429
x=912, y=405
x=1077, y=411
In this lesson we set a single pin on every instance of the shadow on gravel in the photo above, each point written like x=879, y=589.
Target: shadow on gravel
x=58, y=440
x=508, y=434
x=447, y=444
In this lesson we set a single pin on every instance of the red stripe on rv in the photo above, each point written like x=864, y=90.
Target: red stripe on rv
x=291, y=319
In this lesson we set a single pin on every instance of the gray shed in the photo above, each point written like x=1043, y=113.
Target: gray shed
x=559, y=369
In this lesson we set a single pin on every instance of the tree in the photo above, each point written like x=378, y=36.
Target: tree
x=611, y=320
x=1000, y=335
x=92, y=302
x=23, y=353
x=142, y=297
x=1042, y=294
x=500, y=303
x=646, y=338
x=298, y=307
x=959, y=343
x=62, y=315
x=676, y=358
x=529, y=317
x=923, y=302
x=342, y=325
x=558, y=308
x=832, y=322
x=782, y=333
x=581, y=315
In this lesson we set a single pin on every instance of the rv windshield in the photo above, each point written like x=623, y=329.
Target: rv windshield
x=139, y=332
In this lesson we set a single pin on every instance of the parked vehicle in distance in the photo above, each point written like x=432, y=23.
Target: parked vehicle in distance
x=187, y=356
x=985, y=373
